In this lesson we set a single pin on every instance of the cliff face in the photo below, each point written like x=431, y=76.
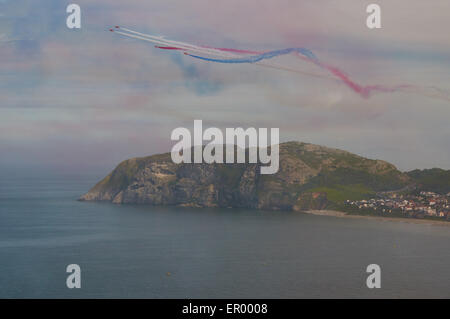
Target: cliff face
x=310, y=176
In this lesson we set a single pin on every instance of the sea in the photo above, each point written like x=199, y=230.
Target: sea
x=132, y=251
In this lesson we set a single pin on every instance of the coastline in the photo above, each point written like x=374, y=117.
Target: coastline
x=334, y=213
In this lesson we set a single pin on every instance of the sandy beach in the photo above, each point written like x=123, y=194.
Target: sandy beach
x=335, y=213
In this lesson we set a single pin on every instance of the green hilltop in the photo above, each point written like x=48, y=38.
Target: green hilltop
x=435, y=179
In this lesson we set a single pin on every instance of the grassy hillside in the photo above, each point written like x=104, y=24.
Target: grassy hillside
x=337, y=194
x=435, y=179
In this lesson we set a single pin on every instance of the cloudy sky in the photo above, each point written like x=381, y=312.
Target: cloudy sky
x=87, y=99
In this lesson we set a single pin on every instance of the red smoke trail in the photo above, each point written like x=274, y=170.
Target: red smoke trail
x=167, y=48
x=364, y=91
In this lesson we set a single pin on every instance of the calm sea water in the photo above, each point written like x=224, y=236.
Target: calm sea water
x=128, y=251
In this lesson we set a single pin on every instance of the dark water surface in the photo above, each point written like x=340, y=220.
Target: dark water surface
x=128, y=251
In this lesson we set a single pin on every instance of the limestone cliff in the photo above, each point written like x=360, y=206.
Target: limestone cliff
x=310, y=176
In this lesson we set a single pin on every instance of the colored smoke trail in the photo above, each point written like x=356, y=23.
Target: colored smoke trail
x=186, y=47
x=167, y=48
x=263, y=56
x=237, y=56
x=364, y=91
x=305, y=54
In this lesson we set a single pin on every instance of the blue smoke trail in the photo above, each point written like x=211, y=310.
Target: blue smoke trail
x=264, y=56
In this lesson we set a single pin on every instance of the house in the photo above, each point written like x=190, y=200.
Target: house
x=431, y=211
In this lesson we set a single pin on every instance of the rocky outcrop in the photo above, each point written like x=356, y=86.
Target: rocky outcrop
x=307, y=174
x=311, y=201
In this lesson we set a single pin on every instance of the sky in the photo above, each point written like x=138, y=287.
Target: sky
x=84, y=100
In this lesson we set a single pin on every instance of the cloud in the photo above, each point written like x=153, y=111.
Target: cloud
x=73, y=96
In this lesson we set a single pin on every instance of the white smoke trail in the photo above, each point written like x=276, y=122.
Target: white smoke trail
x=209, y=51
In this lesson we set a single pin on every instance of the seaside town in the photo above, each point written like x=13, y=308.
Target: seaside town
x=419, y=205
